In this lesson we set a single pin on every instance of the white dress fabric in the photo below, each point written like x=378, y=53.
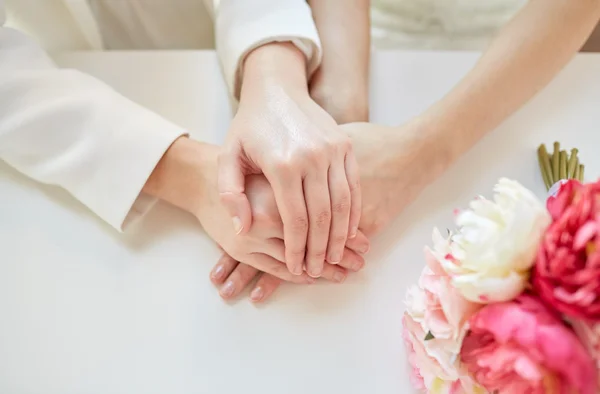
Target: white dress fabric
x=439, y=24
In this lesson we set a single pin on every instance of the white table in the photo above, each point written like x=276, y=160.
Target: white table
x=86, y=310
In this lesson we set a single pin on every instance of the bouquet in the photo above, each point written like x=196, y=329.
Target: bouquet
x=509, y=302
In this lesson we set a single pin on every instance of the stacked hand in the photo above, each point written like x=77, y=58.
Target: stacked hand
x=393, y=171
x=262, y=247
x=279, y=131
x=289, y=178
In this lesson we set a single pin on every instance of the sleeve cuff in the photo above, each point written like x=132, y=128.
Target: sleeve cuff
x=243, y=26
x=117, y=189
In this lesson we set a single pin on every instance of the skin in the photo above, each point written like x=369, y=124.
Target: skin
x=541, y=39
x=186, y=177
x=341, y=84
x=281, y=132
x=389, y=189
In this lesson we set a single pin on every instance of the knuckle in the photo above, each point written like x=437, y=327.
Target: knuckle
x=318, y=155
x=318, y=255
x=342, y=205
x=299, y=224
x=322, y=219
x=284, y=166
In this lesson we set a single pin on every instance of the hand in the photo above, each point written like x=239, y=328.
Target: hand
x=261, y=248
x=395, y=166
x=279, y=131
x=233, y=277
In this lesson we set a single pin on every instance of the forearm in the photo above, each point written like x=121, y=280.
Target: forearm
x=341, y=85
x=179, y=178
x=344, y=30
x=526, y=55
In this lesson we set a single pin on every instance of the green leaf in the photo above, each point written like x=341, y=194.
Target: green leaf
x=429, y=336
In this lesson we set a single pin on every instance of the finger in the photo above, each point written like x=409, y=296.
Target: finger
x=241, y=276
x=276, y=268
x=340, y=211
x=318, y=204
x=334, y=273
x=352, y=261
x=221, y=271
x=289, y=197
x=353, y=179
x=264, y=288
x=231, y=183
x=360, y=244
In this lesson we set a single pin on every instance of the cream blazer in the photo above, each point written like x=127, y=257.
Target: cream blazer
x=66, y=128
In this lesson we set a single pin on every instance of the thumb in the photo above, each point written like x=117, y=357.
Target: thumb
x=231, y=183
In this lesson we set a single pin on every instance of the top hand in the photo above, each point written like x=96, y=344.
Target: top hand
x=396, y=163
x=281, y=132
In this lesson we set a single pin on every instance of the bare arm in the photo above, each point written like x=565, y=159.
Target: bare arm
x=523, y=59
x=341, y=85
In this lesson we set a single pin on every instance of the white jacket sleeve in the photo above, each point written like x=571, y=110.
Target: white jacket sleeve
x=243, y=25
x=65, y=128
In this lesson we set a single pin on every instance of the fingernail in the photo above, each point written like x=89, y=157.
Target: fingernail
x=257, y=294
x=218, y=272
x=357, y=266
x=311, y=280
x=228, y=289
x=315, y=273
x=339, y=277
x=237, y=225
x=297, y=270
x=334, y=260
x=365, y=249
x=353, y=232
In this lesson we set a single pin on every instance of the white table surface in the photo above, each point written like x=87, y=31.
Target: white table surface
x=86, y=310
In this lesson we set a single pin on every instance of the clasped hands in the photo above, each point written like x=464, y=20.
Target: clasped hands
x=383, y=153
x=287, y=199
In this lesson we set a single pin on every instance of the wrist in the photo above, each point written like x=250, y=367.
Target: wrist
x=346, y=102
x=182, y=175
x=425, y=140
x=279, y=64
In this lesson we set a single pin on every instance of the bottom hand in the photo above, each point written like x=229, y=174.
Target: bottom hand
x=233, y=277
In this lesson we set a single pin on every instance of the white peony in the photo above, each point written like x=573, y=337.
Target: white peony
x=435, y=324
x=490, y=256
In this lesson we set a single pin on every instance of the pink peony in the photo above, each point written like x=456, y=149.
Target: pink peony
x=567, y=270
x=520, y=347
x=589, y=334
x=434, y=327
